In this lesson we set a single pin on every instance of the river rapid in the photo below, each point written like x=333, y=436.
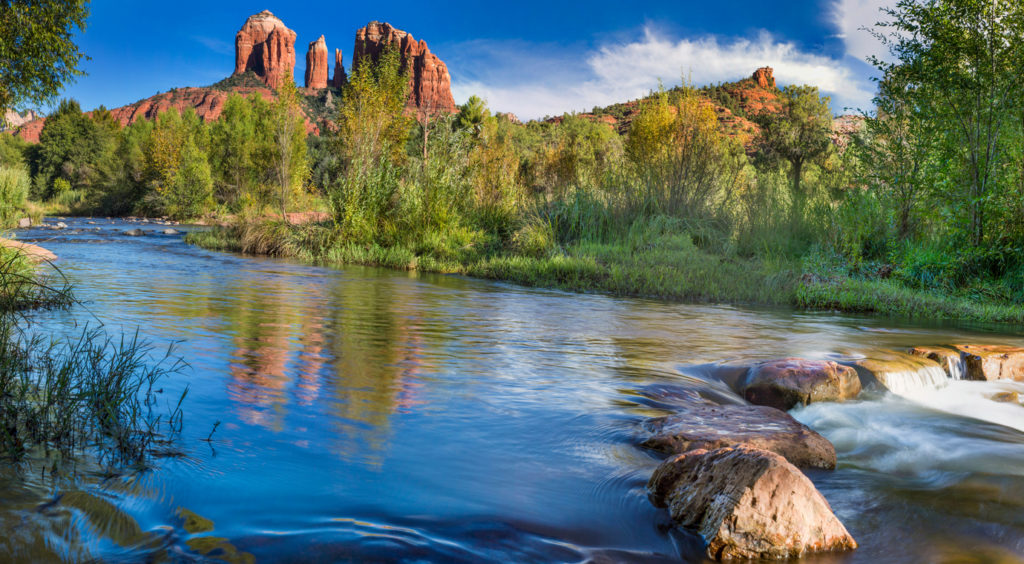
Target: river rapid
x=376, y=415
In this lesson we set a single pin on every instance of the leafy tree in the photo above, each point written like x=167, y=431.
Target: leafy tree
x=290, y=165
x=372, y=135
x=37, y=51
x=798, y=134
x=74, y=147
x=472, y=114
x=233, y=140
x=191, y=192
x=962, y=63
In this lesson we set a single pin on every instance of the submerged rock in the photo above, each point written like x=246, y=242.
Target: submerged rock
x=1005, y=397
x=747, y=503
x=992, y=362
x=785, y=384
x=710, y=426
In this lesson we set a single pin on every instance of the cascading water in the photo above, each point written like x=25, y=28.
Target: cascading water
x=912, y=381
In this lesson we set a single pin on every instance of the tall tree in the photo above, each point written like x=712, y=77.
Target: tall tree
x=963, y=60
x=798, y=134
x=290, y=163
x=38, y=54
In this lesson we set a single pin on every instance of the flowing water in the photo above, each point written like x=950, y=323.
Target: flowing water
x=377, y=415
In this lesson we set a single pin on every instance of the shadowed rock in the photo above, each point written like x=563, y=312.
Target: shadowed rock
x=747, y=503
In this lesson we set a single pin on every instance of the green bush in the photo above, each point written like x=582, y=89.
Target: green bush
x=14, y=184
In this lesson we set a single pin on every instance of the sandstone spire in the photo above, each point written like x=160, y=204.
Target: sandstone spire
x=316, y=64
x=265, y=46
x=340, y=78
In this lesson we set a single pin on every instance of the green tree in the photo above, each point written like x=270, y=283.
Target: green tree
x=290, y=164
x=191, y=191
x=963, y=64
x=37, y=51
x=233, y=140
x=372, y=135
x=472, y=114
x=799, y=134
x=74, y=147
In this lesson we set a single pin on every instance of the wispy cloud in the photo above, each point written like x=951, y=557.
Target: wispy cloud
x=537, y=80
x=853, y=20
x=216, y=45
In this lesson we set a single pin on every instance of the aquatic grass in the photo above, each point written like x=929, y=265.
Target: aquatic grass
x=91, y=394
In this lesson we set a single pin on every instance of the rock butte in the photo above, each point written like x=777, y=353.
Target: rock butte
x=747, y=503
x=266, y=47
x=431, y=84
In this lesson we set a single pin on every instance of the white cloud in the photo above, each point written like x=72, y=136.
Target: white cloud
x=854, y=18
x=522, y=82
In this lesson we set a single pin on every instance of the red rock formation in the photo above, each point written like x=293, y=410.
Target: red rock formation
x=316, y=64
x=431, y=84
x=340, y=78
x=265, y=46
x=765, y=78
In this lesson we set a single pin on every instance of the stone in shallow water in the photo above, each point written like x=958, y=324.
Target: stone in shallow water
x=992, y=362
x=714, y=426
x=785, y=384
x=747, y=503
x=134, y=232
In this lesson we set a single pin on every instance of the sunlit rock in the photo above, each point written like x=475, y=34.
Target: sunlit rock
x=787, y=383
x=747, y=503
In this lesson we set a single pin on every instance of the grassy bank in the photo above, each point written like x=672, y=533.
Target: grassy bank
x=649, y=263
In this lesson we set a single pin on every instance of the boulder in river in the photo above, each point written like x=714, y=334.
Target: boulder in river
x=134, y=232
x=711, y=426
x=60, y=225
x=992, y=362
x=785, y=384
x=24, y=223
x=747, y=503
x=170, y=232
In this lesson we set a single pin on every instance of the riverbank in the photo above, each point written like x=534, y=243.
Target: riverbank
x=654, y=263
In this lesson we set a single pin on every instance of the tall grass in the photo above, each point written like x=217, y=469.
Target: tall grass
x=91, y=395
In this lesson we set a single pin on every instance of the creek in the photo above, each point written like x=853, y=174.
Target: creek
x=370, y=414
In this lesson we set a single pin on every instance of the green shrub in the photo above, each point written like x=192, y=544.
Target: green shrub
x=14, y=185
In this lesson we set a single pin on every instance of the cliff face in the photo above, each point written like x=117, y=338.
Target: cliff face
x=316, y=64
x=431, y=85
x=266, y=47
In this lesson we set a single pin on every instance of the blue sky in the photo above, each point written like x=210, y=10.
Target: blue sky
x=530, y=57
